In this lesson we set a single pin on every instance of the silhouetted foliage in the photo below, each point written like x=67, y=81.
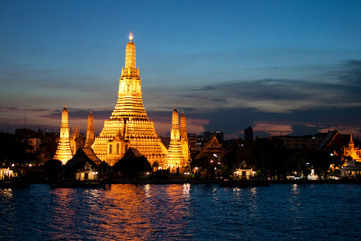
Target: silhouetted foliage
x=132, y=164
x=54, y=170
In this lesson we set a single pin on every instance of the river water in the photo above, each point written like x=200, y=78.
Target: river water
x=182, y=212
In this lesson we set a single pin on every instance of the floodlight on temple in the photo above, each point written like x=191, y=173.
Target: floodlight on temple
x=176, y=156
x=63, y=150
x=129, y=125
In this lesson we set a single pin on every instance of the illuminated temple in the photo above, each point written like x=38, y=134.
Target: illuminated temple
x=178, y=151
x=351, y=151
x=175, y=155
x=129, y=125
x=184, y=139
x=63, y=150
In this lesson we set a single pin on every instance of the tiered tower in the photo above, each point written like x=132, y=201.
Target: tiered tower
x=90, y=137
x=175, y=158
x=129, y=125
x=184, y=139
x=63, y=151
x=76, y=140
x=352, y=151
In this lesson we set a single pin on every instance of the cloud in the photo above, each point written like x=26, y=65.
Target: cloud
x=278, y=95
x=344, y=129
x=80, y=114
x=273, y=129
x=270, y=104
x=162, y=119
x=19, y=109
x=351, y=74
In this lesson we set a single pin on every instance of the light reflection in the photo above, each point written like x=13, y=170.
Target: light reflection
x=295, y=189
x=178, y=209
x=6, y=193
x=125, y=218
x=63, y=214
x=124, y=212
x=147, y=190
x=236, y=191
x=253, y=201
x=253, y=191
x=186, y=190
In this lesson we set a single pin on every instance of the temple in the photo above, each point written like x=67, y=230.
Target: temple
x=175, y=157
x=351, y=151
x=129, y=125
x=90, y=137
x=184, y=139
x=63, y=151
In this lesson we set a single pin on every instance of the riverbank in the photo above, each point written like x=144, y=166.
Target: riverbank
x=171, y=180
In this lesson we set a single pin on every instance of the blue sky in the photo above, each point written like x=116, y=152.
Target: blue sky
x=291, y=65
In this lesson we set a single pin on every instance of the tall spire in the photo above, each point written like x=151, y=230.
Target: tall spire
x=63, y=151
x=175, y=125
x=175, y=156
x=129, y=124
x=129, y=99
x=130, y=67
x=90, y=131
x=351, y=144
x=183, y=126
x=184, y=139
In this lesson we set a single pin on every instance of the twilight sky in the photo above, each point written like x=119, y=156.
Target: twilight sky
x=284, y=67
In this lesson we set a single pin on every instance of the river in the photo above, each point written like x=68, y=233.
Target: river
x=182, y=212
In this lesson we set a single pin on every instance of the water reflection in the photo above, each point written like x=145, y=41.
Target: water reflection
x=127, y=217
x=253, y=191
x=295, y=189
x=181, y=212
x=186, y=189
x=6, y=193
x=147, y=190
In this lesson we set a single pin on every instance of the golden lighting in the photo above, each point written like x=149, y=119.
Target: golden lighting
x=129, y=125
x=63, y=151
x=352, y=151
x=175, y=152
x=7, y=173
x=244, y=173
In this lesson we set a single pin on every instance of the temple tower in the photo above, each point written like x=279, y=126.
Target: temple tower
x=63, y=151
x=352, y=151
x=175, y=158
x=76, y=140
x=90, y=136
x=129, y=125
x=184, y=139
x=351, y=144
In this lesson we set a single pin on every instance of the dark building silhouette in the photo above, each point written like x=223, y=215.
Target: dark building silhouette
x=248, y=134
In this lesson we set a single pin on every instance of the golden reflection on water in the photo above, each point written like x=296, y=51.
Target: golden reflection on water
x=295, y=189
x=147, y=191
x=186, y=190
x=178, y=212
x=178, y=209
x=253, y=191
x=62, y=213
x=127, y=217
x=6, y=193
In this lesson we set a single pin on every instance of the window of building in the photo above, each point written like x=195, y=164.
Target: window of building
x=118, y=148
x=110, y=148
